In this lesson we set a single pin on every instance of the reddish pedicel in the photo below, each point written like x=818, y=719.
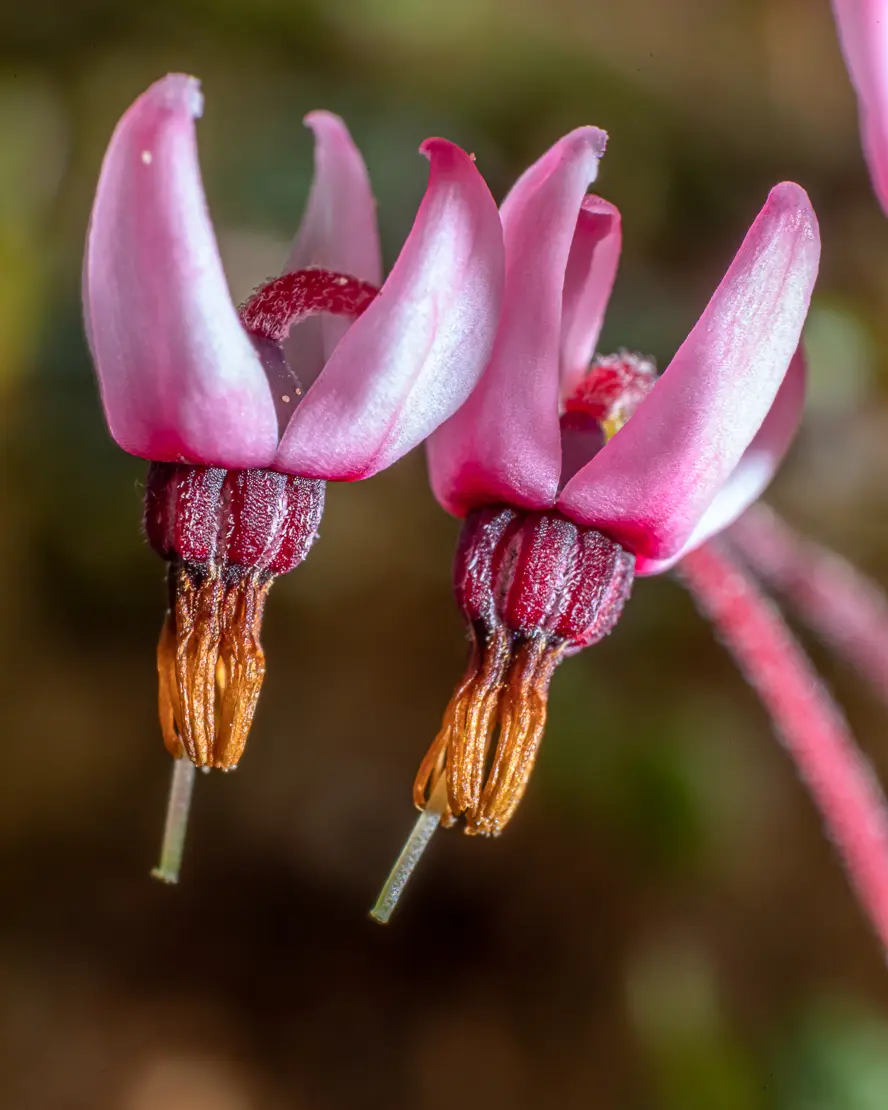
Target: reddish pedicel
x=811, y=727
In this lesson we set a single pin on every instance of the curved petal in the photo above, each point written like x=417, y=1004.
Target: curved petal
x=650, y=485
x=863, y=33
x=338, y=231
x=417, y=352
x=179, y=378
x=754, y=471
x=504, y=444
x=588, y=281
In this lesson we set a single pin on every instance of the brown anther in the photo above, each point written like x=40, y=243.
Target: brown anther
x=210, y=662
x=492, y=729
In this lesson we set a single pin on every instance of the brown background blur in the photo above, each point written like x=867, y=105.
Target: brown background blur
x=664, y=926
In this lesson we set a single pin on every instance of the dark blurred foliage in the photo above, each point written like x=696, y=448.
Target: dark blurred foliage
x=664, y=926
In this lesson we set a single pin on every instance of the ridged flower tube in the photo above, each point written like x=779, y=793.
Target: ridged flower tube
x=328, y=372
x=574, y=472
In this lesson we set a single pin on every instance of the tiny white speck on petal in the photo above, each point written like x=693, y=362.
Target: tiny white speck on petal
x=285, y=397
x=147, y=157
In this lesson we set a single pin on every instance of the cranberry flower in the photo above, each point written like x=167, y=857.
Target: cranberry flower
x=241, y=443
x=614, y=472
x=574, y=477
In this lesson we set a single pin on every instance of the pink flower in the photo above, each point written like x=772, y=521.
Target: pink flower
x=240, y=442
x=573, y=477
x=181, y=379
x=707, y=439
x=863, y=32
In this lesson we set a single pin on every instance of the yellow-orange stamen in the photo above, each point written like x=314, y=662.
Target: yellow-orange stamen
x=210, y=663
x=491, y=731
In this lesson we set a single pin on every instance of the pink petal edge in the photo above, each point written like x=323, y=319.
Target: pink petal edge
x=505, y=443
x=863, y=34
x=755, y=470
x=417, y=352
x=588, y=281
x=338, y=231
x=652, y=483
x=179, y=378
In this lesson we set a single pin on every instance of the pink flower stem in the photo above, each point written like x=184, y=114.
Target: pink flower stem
x=842, y=606
x=807, y=720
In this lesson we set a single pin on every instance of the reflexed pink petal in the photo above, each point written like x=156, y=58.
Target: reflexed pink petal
x=591, y=269
x=338, y=231
x=755, y=470
x=504, y=444
x=179, y=377
x=863, y=32
x=417, y=352
x=651, y=484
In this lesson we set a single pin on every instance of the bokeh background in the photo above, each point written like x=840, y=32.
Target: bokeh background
x=664, y=925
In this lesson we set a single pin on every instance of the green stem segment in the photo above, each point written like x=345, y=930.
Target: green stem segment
x=176, y=824
x=410, y=855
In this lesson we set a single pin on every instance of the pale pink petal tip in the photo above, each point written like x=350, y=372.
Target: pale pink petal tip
x=504, y=444
x=588, y=281
x=417, y=352
x=755, y=470
x=179, y=377
x=652, y=484
x=177, y=91
x=863, y=33
x=582, y=138
x=338, y=231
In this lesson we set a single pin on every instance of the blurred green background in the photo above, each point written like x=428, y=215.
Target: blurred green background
x=664, y=926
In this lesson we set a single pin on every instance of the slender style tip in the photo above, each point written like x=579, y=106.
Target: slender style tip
x=410, y=855
x=176, y=824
